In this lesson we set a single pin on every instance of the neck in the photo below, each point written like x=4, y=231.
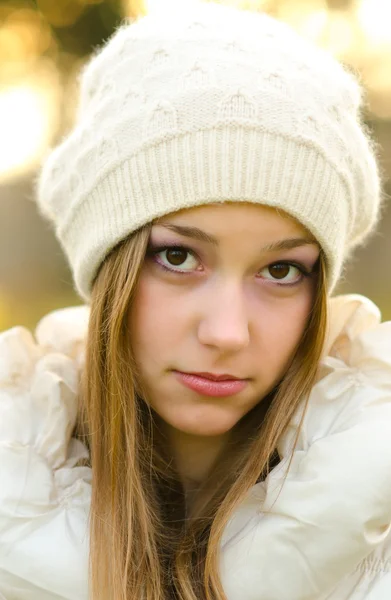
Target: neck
x=194, y=455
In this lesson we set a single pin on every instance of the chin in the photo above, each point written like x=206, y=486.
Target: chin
x=204, y=425
x=206, y=431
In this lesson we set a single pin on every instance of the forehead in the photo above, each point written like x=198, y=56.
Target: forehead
x=235, y=217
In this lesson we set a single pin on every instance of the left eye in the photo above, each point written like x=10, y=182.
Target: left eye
x=283, y=272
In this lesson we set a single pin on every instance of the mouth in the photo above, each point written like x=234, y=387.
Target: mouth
x=216, y=377
x=224, y=385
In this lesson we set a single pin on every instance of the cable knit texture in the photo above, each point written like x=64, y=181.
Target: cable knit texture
x=214, y=105
x=325, y=534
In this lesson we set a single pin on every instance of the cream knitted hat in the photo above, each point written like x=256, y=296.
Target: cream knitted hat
x=212, y=104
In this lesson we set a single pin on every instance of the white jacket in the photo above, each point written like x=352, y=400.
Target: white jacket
x=326, y=535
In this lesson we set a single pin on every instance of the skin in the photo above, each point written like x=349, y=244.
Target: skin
x=226, y=314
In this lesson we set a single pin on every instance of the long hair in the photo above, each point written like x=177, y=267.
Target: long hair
x=144, y=543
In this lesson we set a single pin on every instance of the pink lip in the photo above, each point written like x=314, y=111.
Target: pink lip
x=213, y=377
x=209, y=387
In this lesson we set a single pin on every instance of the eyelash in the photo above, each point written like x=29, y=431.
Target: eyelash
x=154, y=251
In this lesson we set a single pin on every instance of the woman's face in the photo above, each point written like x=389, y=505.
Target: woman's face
x=225, y=289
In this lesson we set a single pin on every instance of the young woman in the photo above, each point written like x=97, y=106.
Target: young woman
x=212, y=424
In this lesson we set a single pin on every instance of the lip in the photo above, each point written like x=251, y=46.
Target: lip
x=210, y=387
x=214, y=377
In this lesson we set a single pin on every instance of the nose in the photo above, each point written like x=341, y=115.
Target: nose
x=224, y=323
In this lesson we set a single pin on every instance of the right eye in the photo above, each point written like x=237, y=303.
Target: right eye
x=170, y=257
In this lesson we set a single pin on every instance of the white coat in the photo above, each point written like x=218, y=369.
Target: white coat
x=326, y=535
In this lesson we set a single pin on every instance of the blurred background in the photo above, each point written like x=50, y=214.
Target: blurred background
x=43, y=45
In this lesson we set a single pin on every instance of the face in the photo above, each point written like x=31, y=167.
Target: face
x=225, y=289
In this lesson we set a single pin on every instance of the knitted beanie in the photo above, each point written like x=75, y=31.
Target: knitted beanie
x=212, y=104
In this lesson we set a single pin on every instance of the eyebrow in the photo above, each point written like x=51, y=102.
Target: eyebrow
x=198, y=234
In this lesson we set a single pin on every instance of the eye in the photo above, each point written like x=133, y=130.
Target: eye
x=284, y=273
x=172, y=257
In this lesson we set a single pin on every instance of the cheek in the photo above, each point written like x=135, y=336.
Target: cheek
x=283, y=326
x=152, y=319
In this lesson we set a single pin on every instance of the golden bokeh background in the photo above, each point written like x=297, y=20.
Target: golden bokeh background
x=43, y=45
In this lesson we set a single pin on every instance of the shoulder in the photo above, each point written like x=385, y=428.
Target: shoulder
x=355, y=326
x=348, y=416
x=39, y=376
x=354, y=374
x=62, y=331
x=45, y=492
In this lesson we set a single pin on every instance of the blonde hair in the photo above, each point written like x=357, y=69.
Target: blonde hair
x=144, y=543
